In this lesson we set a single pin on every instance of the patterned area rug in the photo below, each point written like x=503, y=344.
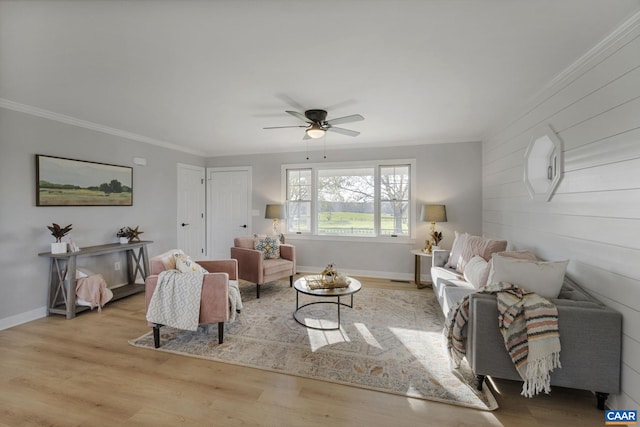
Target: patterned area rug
x=390, y=341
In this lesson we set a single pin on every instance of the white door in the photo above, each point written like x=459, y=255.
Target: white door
x=229, y=204
x=191, y=210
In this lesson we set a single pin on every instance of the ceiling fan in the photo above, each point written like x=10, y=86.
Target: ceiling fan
x=317, y=123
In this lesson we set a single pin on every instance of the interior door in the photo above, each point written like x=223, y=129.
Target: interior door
x=191, y=210
x=229, y=191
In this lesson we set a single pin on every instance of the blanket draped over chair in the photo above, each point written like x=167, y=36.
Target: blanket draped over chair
x=176, y=300
x=529, y=326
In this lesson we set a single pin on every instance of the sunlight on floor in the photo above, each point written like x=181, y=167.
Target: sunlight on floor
x=319, y=339
x=367, y=335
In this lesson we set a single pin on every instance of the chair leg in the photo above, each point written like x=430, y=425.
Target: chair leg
x=257, y=291
x=156, y=335
x=220, y=332
x=291, y=281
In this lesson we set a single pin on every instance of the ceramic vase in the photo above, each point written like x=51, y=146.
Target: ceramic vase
x=59, y=247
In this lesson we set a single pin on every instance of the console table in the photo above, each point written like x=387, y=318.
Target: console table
x=62, y=274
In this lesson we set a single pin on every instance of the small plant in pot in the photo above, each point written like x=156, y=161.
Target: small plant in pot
x=58, y=232
x=124, y=234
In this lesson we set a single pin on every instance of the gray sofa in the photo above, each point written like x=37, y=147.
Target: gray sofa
x=590, y=334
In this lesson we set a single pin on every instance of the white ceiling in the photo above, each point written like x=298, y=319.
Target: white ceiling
x=207, y=76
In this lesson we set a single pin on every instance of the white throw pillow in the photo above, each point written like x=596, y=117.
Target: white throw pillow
x=185, y=264
x=459, y=242
x=542, y=277
x=475, y=270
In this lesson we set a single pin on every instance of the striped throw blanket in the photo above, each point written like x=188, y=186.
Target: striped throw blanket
x=529, y=326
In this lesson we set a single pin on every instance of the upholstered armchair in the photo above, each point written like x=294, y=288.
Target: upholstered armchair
x=214, y=302
x=253, y=267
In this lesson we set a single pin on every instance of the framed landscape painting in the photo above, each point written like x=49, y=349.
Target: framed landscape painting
x=67, y=182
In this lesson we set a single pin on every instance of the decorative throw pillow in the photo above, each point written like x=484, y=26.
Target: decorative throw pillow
x=474, y=271
x=542, y=277
x=269, y=246
x=456, y=249
x=185, y=264
x=488, y=276
x=481, y=246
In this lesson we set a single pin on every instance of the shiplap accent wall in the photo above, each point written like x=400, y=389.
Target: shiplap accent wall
x=594, y=218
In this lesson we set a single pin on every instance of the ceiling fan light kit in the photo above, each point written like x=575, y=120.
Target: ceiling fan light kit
x=318, y=123
x=315, y=131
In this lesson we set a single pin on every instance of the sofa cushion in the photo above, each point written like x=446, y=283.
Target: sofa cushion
x=450, y=287
x=513, y=254
x=456, y=249
x=466, y=247
x=475, y=271
x=542, y=277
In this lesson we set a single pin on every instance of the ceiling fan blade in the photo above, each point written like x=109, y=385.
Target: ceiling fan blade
x=343, y=131
x=346, y=119
x=284, y=127
x=300, y=116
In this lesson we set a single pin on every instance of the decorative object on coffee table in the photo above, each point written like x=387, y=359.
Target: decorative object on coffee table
x=59, y=247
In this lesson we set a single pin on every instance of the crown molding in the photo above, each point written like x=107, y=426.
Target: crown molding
x=39, y=112
x=627, y=31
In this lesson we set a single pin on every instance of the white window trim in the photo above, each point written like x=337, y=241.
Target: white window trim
x=355, y=164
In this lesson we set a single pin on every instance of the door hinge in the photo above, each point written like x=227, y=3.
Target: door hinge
x=201, y=180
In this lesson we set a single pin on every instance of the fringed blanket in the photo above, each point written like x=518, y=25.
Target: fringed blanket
x=529, y=326
x=176, y=300
x=235, y=301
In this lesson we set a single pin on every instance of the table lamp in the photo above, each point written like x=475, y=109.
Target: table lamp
x=433, y=214
x=275, y=212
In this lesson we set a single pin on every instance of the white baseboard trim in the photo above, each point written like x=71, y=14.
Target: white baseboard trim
x=19, y=319
x=359, y=273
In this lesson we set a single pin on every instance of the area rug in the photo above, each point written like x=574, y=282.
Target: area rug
x=390, y=341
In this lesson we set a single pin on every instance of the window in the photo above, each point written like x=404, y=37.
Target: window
x=370, y=199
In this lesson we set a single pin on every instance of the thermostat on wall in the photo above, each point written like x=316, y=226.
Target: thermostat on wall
x=140, y=161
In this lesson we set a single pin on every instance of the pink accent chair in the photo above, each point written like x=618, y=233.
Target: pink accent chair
x=252, y=266
x=214, y=303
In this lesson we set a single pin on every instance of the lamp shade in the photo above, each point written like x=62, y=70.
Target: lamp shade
x=274, y=212
x=433, y=213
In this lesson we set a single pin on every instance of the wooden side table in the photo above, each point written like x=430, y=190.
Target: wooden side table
x=418, y=254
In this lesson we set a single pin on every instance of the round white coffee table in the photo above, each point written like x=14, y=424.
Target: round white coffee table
x=301, y=286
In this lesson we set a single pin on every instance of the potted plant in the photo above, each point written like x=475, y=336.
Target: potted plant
x=124, y=234
x=437, y=238
x=59, y=247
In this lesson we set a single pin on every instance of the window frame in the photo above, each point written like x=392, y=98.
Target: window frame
x=376, y=165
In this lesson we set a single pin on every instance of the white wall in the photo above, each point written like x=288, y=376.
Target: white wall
x=594, y=218
x=23, y=232
x=446, y=173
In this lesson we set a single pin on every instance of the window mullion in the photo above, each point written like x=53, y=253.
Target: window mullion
x=376, y=202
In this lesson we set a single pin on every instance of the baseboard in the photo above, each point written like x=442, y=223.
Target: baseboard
x=27, y=316
x=359, y=273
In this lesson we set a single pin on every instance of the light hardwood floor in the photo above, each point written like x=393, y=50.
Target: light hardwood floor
x=82, y=372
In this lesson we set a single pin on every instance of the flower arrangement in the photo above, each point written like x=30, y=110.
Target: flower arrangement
x=59, y=232
x=436, y=236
